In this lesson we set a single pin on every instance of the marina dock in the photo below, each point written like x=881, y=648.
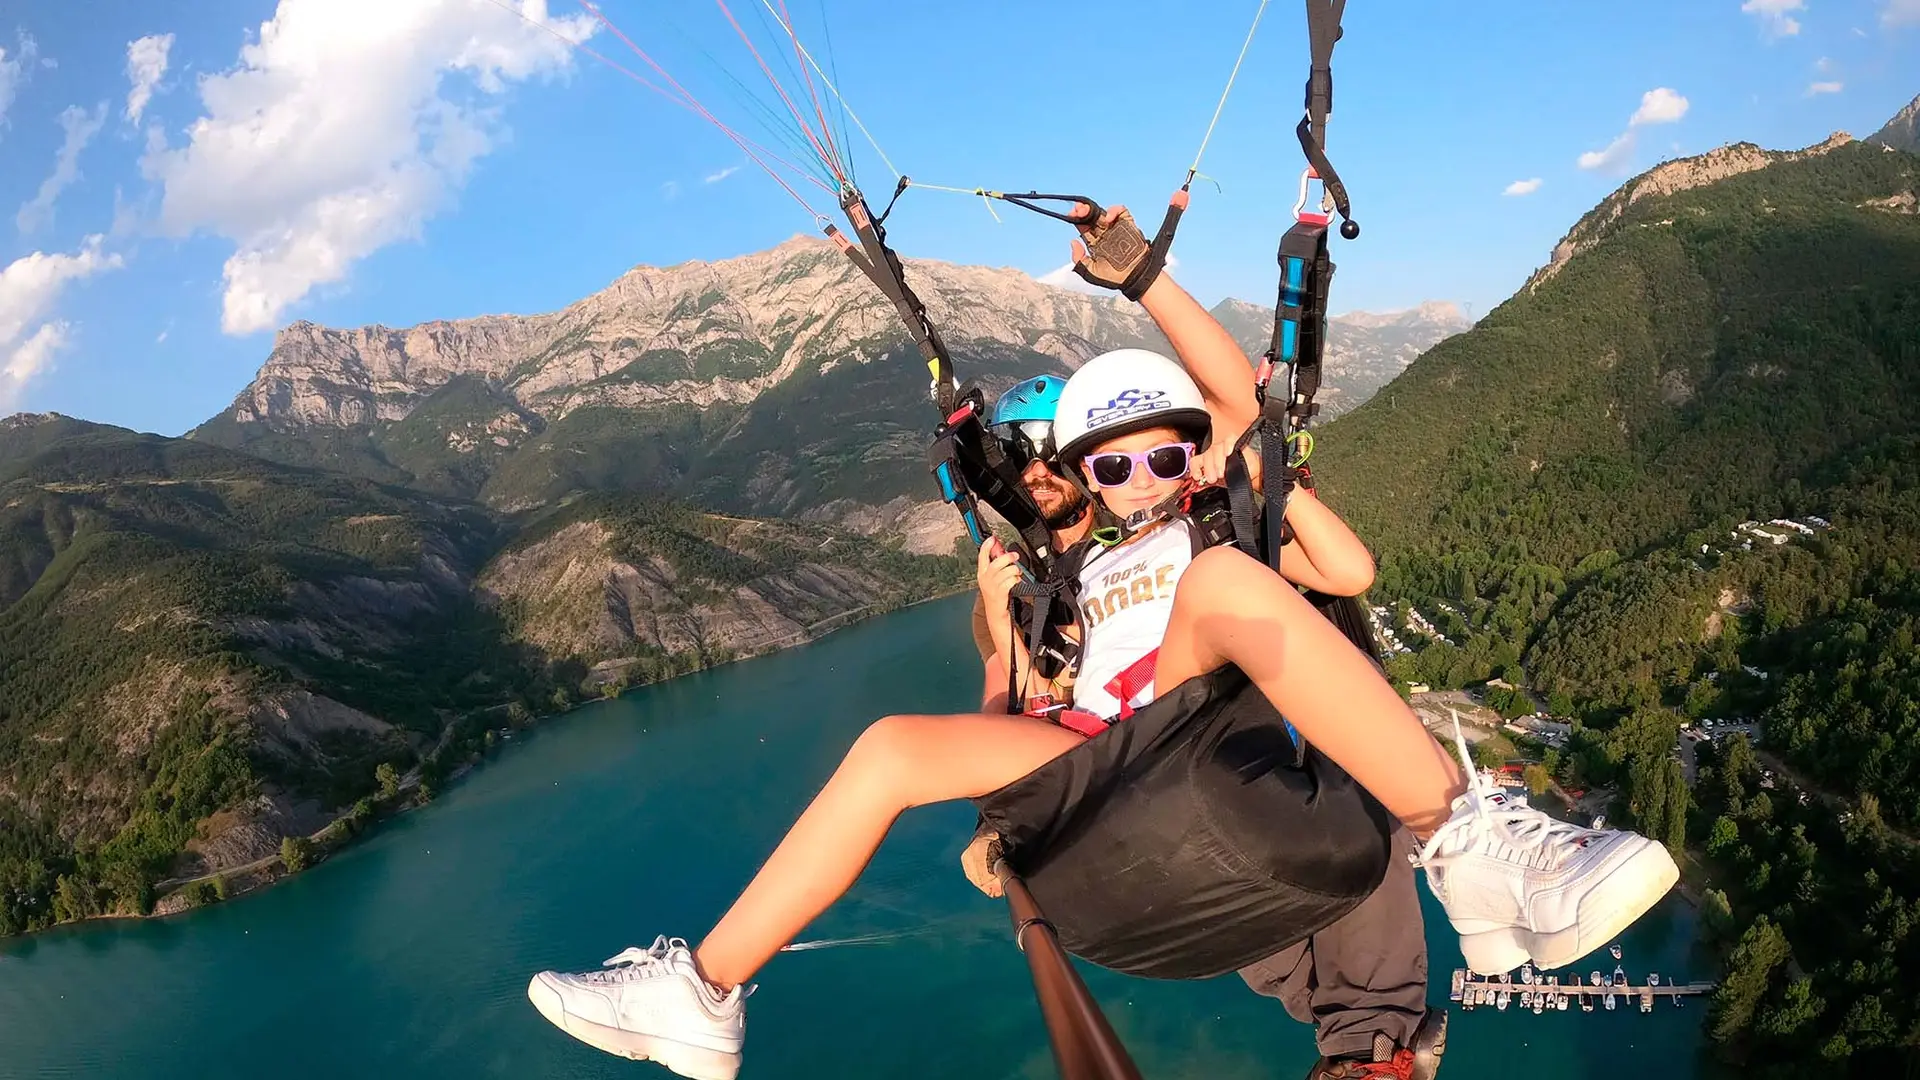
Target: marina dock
x=1541, y=995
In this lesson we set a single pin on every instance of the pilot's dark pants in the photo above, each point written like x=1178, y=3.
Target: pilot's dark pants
x=1365, y=973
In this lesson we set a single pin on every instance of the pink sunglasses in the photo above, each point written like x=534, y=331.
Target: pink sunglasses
x=1168, y=461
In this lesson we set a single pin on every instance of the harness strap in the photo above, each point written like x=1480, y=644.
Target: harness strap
x=1039, y=597
x=1299, y=343
x=1323, y=32
x=1081, y=721
x=1137, y=677
x=1240, y=494
x=882, y=266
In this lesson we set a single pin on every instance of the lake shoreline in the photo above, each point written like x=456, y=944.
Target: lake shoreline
x=338, y=834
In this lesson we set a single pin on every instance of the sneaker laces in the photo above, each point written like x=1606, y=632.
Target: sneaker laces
x=1519, y=828
x=637, y=963
x=1390, y=1062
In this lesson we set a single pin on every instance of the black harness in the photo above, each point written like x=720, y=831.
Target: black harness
x=1233, y=512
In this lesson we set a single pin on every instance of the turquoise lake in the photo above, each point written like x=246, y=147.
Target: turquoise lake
x=408, y=955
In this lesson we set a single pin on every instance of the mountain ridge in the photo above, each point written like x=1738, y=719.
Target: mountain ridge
x=1902, y=132
x=775, y=383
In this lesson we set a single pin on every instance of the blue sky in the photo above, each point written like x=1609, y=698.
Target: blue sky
x=395, y=161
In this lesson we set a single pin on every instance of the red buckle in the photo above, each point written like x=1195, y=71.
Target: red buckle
x=1133, y=680
x=1083, y=722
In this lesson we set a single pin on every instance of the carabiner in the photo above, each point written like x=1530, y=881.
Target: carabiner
x=1300, y=212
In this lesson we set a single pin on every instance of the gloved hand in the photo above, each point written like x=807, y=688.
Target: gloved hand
x=1116, y=254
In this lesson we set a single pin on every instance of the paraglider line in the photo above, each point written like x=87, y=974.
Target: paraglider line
x=693, y=104
x=804, y=126
x=826, y=33
x=1194, y=169
x=855, y=117
x=826, y=129
x=768, y=116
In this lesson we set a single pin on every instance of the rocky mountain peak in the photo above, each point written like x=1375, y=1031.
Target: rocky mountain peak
x=694, y=333
x=1444, y=313
x=22, y=420
x=1903, y=131
x=1669, y=178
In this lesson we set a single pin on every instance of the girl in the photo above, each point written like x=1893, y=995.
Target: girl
x=1516, y=884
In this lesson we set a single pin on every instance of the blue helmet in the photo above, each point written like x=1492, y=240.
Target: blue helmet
x=1023, y=418
x=1034, y=399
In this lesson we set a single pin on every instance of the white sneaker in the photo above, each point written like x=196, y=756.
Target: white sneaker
x=1519, y=885
x=650, y=1004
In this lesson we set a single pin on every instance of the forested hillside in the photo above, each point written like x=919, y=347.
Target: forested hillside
x=1678, y=476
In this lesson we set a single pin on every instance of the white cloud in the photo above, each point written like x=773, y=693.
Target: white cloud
x=333, y=136
x=670, y=190
x=1659, y=106
x=715, y=178
x=1063, y=277
x=1825, y=88
x=29, y=359
x=81, y=127
x=1823, y=65
x=146, y=63
x=14, y=70
x=29, y=288
x=1773, y=15
x=1523, y=187
x=1617, y=155
x=1900, y=13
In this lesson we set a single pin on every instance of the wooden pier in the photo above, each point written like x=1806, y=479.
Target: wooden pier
x=1643, y=995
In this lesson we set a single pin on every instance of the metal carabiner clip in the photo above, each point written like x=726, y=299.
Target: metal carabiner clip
x=1300, y=212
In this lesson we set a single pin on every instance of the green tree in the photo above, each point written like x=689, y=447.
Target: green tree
x=1868, y=1024
x=1701, y=698
x=1736, y=769
x=201, y=893
x=1717, y=913
x=1798, y=1007
x=222, y=887
x=1867, y=829
x=1724, y=838
x=1488, y=753
x=1761, y=949
x=1539, y=780
x=1679, y=802
x=295, y=853
x=388, y=778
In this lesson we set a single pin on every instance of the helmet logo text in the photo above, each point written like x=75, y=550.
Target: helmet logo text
x=1127, y=403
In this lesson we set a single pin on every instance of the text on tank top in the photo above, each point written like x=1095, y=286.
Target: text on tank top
x=1126, y=603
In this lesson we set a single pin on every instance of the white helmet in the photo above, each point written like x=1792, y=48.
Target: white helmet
x=1124, y=391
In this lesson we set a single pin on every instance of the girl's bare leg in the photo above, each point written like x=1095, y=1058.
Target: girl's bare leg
x=1230, y=609
x=898, y=763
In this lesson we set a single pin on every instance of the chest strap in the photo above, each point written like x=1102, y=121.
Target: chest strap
x=1137, y=677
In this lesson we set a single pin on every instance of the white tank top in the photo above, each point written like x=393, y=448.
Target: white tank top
x=1126, y=602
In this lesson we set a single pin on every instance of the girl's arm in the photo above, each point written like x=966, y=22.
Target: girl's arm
x=1208, y=353
x=1203, y=346
x=1325, y=554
